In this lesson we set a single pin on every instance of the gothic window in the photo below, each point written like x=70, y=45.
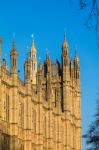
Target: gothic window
x=34, y=56
x=13, y=62
x=45, y=127
x=65, y=61
x=21, y=114
x=34, y=120
x=27, y=74
x=76, y=74
x=7, y=107
x=45, y=132
x=62, y=132
x=66, y=52
x=5, y=143
x=34, y=66
x=21, y=147
x=54, y=128
x=55, y=97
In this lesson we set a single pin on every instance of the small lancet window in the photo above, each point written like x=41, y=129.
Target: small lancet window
x=7, y=107
x=65, y=62
x=34, y=66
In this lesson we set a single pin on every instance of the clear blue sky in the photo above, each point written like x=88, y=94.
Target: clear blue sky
x=47, y=19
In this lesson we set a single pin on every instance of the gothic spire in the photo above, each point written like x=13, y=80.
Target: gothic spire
x=33, y=62
x=65, y=44
x=65, y=47
x=33, y=49
x=13, y=45
x=13, y=56
x=33, y=44
x=76, y=55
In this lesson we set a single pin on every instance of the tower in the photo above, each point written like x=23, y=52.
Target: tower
x=48, y=77
x=27, y=69
x=77, y=68
x=33, y=63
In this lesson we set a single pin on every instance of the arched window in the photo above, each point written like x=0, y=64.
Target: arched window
x=7, y=107
x=78, y=75
x=65, y=61
x=45, y=127
x=21, y=114
x=55, y=97
x=13, y=62
x=34, y=121
x=45, y=132
x=34, y=66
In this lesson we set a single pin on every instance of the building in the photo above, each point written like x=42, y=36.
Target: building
x=44, y=111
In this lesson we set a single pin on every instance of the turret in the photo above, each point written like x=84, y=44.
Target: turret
x=71, y=69
x=58, y=97
x=65, y=47
x=47, y=67
x=76, y=67
x=48, y=63
x=39, y=79
x=33, y=63
x=27, y=68
x=65, y=75
x=13, y=57
x=65, y=60
x=48, y=77
x=5, y=64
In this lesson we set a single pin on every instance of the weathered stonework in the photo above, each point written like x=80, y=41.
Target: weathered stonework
x=44, y=111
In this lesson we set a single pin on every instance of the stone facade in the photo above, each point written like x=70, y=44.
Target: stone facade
x=44, y=111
